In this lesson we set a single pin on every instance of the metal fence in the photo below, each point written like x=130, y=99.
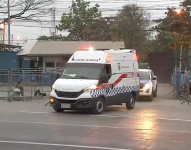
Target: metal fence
x=178, y=80
x=36, y=83
x=4, y=82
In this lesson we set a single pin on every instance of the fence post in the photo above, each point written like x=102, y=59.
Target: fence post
x=42, y=78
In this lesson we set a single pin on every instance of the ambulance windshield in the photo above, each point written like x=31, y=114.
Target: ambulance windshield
x=82, y=71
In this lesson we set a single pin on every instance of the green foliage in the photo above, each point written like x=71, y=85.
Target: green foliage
x=186, y=3
x=80, y=20
x=131, y=24
x=53, y=38
x=174, y=29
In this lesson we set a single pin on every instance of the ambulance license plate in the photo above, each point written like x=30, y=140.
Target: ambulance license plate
x=65, y=105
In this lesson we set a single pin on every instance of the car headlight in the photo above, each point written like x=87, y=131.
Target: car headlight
x=93, y=87
x=147, y=86
x=53, y=88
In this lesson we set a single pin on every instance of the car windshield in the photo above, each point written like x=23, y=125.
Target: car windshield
x=82, y=71
x=144, y=75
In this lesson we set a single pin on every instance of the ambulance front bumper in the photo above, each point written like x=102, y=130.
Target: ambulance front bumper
x=82, y=103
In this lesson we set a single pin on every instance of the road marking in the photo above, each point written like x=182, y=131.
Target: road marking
x=94, y=126
x=33, y=112
x=116, y=116
x=61, y=145
x=142, y=117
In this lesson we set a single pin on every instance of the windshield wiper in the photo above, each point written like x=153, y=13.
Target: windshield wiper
x=66, y=76
x=81, y=77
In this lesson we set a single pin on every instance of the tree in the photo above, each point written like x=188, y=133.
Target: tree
x=99, y=30
x=53, y=38
x=80, y=20
x=35, y=9
x=176, y=24
x=131, y=26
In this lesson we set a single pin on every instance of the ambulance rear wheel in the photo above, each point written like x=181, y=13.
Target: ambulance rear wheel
x=99, y=107
x=131, y=103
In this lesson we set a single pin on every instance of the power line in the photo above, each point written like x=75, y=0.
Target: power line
x=60, y=10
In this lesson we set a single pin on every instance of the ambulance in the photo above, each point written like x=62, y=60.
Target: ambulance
x=94, y=79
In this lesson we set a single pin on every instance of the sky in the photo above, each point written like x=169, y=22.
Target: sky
x=21, y=30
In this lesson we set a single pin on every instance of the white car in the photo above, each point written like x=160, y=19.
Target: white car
x=148, y=84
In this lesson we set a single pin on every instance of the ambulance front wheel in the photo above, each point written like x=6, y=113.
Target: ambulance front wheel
x=131, y=103
x=58, y=109
x=99, y=107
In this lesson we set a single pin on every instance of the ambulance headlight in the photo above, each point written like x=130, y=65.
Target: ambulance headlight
x=93, y=87
x=53, y=88
x=147, y=86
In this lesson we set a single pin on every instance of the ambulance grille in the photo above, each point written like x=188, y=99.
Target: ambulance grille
x=68, y=94
x=66, y=101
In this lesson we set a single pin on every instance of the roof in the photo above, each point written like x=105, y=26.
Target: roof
x=69, y=47
x=9, y=46
x=26, y=48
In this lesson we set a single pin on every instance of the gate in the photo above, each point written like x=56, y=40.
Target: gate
x=162, y=64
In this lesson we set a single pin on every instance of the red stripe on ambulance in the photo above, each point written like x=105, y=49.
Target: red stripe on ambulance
x=121, y=77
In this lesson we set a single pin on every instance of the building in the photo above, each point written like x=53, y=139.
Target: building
x=55, y=54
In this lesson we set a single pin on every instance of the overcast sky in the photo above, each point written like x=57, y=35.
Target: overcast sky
x=156, y=8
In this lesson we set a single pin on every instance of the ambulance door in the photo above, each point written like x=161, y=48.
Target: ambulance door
x=108, y=90
x=127, y=67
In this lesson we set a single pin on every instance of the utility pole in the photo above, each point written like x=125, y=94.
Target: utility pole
x=8, y=22
x=53, y=19
x=53, y=23
x=4, y=32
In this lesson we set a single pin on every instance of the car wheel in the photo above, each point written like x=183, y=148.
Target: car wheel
x=58, y=109
x=131, y=103
x=155, y=92
x=100, y=106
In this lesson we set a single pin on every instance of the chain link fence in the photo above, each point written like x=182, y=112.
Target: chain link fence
x=36, y=83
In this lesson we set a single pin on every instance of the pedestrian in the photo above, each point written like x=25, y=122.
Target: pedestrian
x=20, y=87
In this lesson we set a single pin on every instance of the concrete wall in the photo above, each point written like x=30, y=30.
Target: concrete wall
x=9, y=60
x=25, y=63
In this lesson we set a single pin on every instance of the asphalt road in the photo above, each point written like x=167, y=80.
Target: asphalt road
x=158, y=125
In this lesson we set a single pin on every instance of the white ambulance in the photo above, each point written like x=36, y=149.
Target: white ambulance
x=93, y=79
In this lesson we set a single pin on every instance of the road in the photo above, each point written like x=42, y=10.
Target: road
x=159, y=125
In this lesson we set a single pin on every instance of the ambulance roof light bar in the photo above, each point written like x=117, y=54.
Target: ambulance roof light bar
x=87, y=49
x=123, y=50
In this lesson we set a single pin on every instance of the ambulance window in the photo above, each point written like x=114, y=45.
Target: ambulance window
x=108, y=69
